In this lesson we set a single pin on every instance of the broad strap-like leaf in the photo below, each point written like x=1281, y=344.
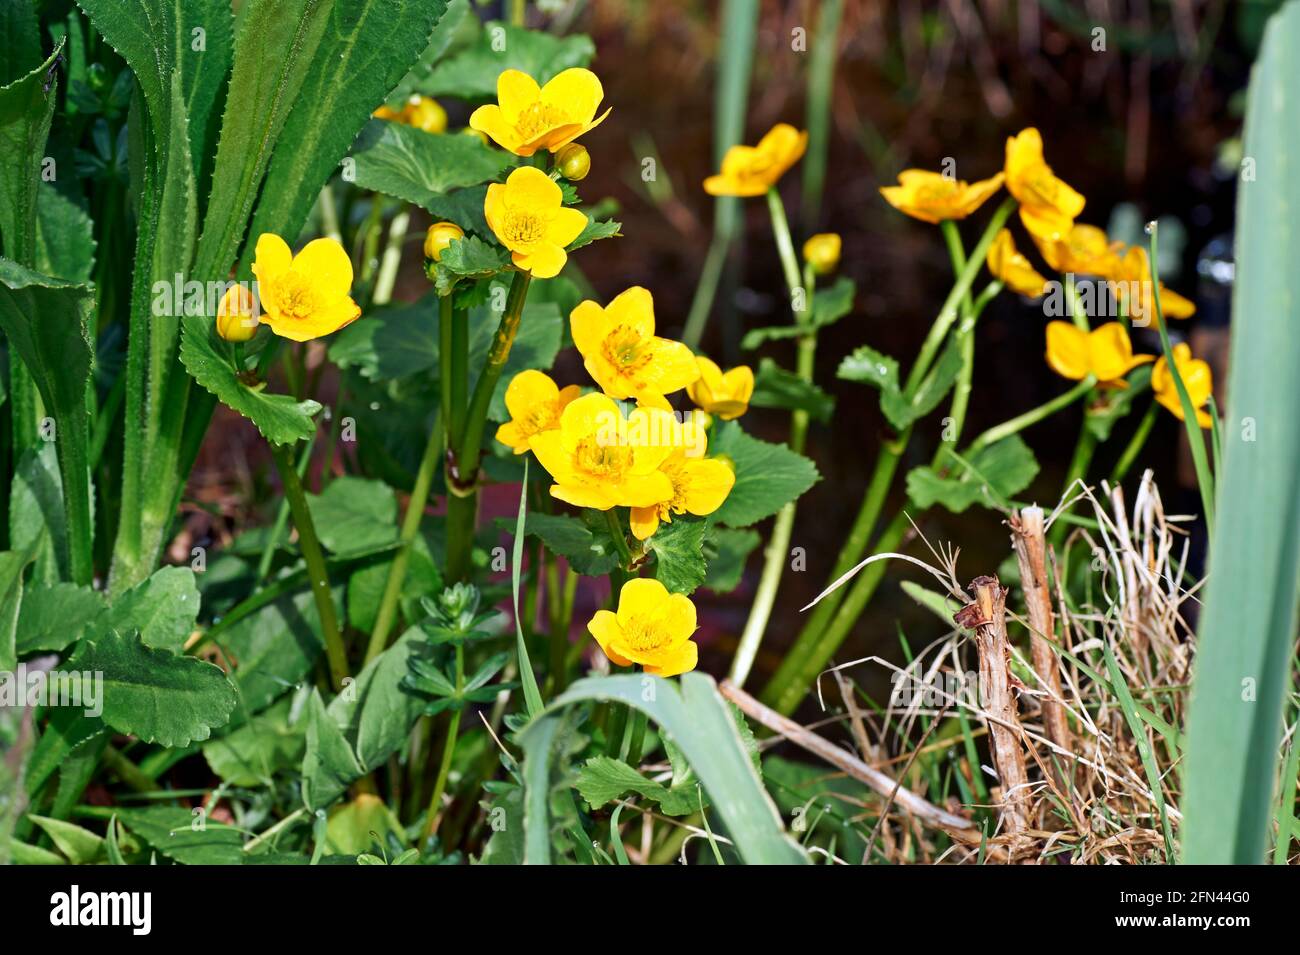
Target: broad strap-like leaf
x=370, y=42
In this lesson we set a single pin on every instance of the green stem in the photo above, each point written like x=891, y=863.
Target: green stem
x=282, y=517
x=1033, y=415
x=1195, y=439
x=415, y=506
x=783, y=527
x=1135, y=445
x=707, y=290
x=315, y=560
x=392, y=258
x=620, y=540
x=448, y=752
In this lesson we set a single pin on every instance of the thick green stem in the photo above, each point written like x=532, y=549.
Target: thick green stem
x=1135, y=445
x=315, y=560
x=1033, y=415
x=620, y=539
x=392, y=258
x=282, y=517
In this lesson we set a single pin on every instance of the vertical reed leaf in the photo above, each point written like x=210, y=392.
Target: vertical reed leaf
x=1249, y=626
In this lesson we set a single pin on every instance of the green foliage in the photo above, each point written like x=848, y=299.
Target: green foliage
x=990, y=475
x=679, y=553
x=583, y=541
x=354, y=515
x=472, y=73
x=154, y=694
x=829, y=305
x=768, y=476
x=774, y=387
x=417, y=167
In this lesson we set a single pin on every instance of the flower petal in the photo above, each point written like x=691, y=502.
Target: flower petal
x=604, y=627
x=327, y=266
x=644, y=521
x=527, y=390
x=683, y=659
x=576, y=93
x=566, y=226
x=516, y=91
x=1067, y=350
x=641, y=598
x=708, y=482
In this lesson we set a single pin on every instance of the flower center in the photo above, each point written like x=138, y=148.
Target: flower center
x=538, y=118
x=624, y=348
x=297, y=301
x=544, y=417
x=602, y=461
x=936, y=193
x=643, y=636
x=523, y=228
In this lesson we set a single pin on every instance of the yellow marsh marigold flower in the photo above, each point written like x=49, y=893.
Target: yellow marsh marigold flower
x=1048, y=207
x=426, y=114
x=535, y=403
x=439, y=236
x=725, y=394
x=599, y=459
x=1197, y=379
x=700, y=485
x=652, y=627
x=526, y=118
x=932, y=197
x=752, y=170
x=1105, y=353
x=1012, y=269
x=822, y=252
x=622, y=353
x=527, y=215
x=1084, y=250
x=236, y=321
x=304, y=296
x=1131, y=281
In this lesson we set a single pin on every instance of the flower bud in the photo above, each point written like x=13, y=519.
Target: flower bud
x=476, y=134
x=424, y=113
x=235, y=319
x=822, y=252
x=574, y=162
x=439, y=236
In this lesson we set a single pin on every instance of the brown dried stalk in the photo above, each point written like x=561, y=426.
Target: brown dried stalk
x=1029, y=541
x=987, y=616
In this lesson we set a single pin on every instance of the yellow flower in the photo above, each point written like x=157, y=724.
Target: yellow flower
x=304, y=296
x=236, y=321
x=535, y=403
x=752, y=170
x=725, y=394
x=1105, y=353
x=700, y=485
x=599, y=459
x=439, y=236
x=932, y=197
x=1131, y=281
x=1011, y=268
x=622, y=353
x=1196, y=379
x=652, y=627
x=424, y=113
x=528, y=216
x=1084, y=250
x=822, y=252
x=527, y=118
x=1048, y=207
x=385, y=113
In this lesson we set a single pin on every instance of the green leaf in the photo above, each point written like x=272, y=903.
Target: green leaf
x=376, y=714
x=281, y=419
x=828, y=307
x=267, y=744
x=184, y=835
x=594, y=231
x=354, y=515
x=68, y=728
x=154, y=694
x=372, y=43
x=679, y=554
x=276, y=42
x=450, y=27
x=12, y=565
x=467, y=258
x=774, y=387
x=415, y=166
x=54, y=615
x=47, y=321
x=541, y=328
x=585, y=544
x=463, y=207
x=1116, y=403
x=1248, y=626
x=37, y=525
x=355, y=826
x=768, y=476
x=868, y=366
x=20, y=40
x=603, y=779
x=726, y=550
x=903, y=409
x=392, y=342
x=329, y=765
x=472, y=74
x=26, y=110
x=697, y=720
x=1002, y=470
x=65, y=244
x=163, y=609
x=79, y=846
x=274, y=648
